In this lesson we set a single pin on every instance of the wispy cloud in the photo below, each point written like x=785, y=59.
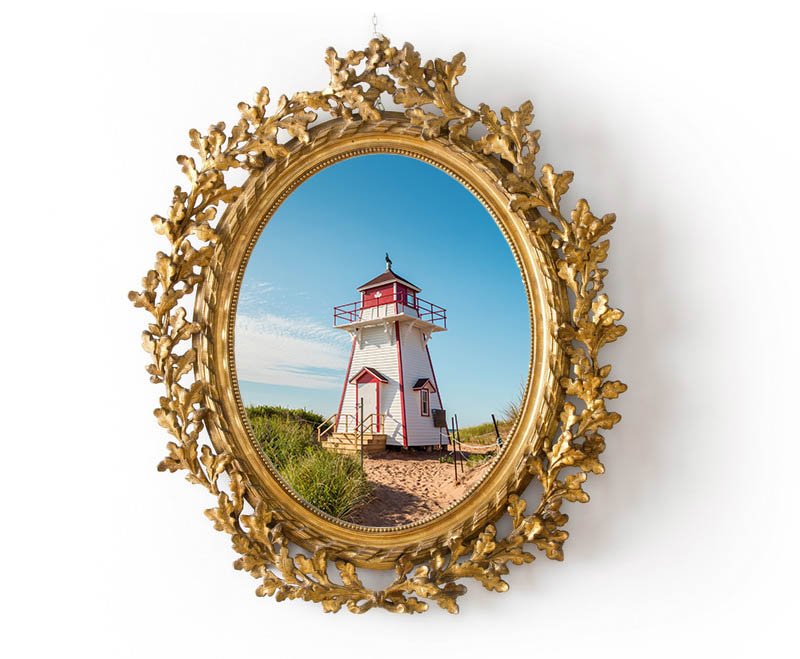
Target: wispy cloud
x=255, y=296
x=296, y=352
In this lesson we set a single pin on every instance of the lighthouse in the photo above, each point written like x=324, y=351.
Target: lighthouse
x=390, y=393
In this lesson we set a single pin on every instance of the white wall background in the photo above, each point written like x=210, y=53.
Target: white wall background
x=681, y=117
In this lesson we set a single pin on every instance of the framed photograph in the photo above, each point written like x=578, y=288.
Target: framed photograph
x=373, y=329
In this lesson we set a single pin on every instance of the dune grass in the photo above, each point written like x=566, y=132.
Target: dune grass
x=284, y=440
x=484, y=433
x=261, y=411
x=474, y=434
x=335, y=484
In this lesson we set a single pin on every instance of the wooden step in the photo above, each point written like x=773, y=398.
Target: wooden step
x=350, y=443
x=352, y=437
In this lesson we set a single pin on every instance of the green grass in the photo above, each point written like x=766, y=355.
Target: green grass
x=484, y=433
x=476, y=458
x=335, y=484
x=283, y=440
x=474, y=433
x=261, y=411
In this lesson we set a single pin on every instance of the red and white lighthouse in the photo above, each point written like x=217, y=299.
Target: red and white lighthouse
x=390, y=366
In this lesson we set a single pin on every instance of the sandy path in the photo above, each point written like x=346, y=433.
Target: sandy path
x=411, y=486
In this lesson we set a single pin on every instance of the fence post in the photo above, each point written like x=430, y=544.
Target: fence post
x=361, y=416
x=455, y=457
x=497, y=439
x=458, y=435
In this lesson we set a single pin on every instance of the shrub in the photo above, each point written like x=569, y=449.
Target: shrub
x=333, y=483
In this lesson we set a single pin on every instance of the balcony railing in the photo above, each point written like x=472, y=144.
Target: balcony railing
x=400, y=303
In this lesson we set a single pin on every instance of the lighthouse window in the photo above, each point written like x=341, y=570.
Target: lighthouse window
x=424, y=402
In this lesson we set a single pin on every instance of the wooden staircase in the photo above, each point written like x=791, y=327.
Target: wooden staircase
x=348, y=443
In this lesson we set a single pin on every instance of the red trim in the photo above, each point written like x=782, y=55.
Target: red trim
x=435, y=383
x=346, y=378
x=400, y=376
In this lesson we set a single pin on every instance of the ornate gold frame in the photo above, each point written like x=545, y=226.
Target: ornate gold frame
x=560, y=264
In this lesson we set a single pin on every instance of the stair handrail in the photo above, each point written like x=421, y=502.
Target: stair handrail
x=360, y=426
x=346, y=418
x=368, y=424
x=332, y=422
x=329, y=424
x=373, y=420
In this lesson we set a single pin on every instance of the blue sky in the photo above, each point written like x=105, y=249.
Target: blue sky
x=329, y=237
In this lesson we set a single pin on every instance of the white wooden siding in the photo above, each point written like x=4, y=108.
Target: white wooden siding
x=382, y=311
x=420, y=429
x=377, y=349
x=377, y=312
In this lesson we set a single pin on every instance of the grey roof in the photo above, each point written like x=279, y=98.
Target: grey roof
x=422, y=382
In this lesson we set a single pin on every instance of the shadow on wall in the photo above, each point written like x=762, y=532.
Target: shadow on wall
x=639, y=452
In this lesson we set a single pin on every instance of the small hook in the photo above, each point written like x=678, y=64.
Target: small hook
x=375, y=33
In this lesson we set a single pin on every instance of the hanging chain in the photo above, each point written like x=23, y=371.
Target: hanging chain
x=377, y=35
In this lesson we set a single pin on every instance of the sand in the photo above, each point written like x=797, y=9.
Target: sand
x=411, y=486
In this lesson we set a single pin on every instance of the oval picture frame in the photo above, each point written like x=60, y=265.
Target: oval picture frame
x=556, y=438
